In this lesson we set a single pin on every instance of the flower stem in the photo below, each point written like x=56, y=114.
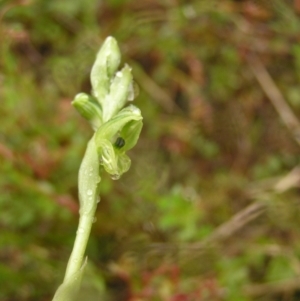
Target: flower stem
x=82, y=236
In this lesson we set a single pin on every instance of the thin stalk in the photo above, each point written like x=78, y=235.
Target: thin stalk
x=82, y=235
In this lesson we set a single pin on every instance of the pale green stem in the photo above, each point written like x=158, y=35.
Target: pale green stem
x=81, y=240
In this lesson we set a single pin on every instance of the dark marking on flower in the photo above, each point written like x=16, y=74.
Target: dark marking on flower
x=120, y=142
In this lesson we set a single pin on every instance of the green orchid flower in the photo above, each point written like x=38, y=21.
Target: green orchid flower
x=126, y=125
x=116, y=131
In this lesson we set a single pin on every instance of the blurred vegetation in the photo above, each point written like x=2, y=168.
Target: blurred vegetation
x=210, y=207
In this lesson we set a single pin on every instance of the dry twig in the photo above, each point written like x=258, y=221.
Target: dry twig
x=275, y=96
x=278, y=287
x=236, y=223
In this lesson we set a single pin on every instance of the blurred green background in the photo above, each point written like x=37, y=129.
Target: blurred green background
x=210, y=207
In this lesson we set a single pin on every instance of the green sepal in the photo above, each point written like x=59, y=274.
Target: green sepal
x=117, y=97
x=130, y=133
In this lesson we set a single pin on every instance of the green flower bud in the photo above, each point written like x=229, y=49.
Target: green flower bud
x=105, y=66
x=89, y=109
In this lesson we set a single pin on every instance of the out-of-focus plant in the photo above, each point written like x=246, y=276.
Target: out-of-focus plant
x=116, y=130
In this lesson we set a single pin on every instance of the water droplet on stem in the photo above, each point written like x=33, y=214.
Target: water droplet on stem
x=80, y=230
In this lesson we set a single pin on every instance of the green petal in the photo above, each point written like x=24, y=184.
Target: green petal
x=124, y=163
x=114, y=163
x=107, y=156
